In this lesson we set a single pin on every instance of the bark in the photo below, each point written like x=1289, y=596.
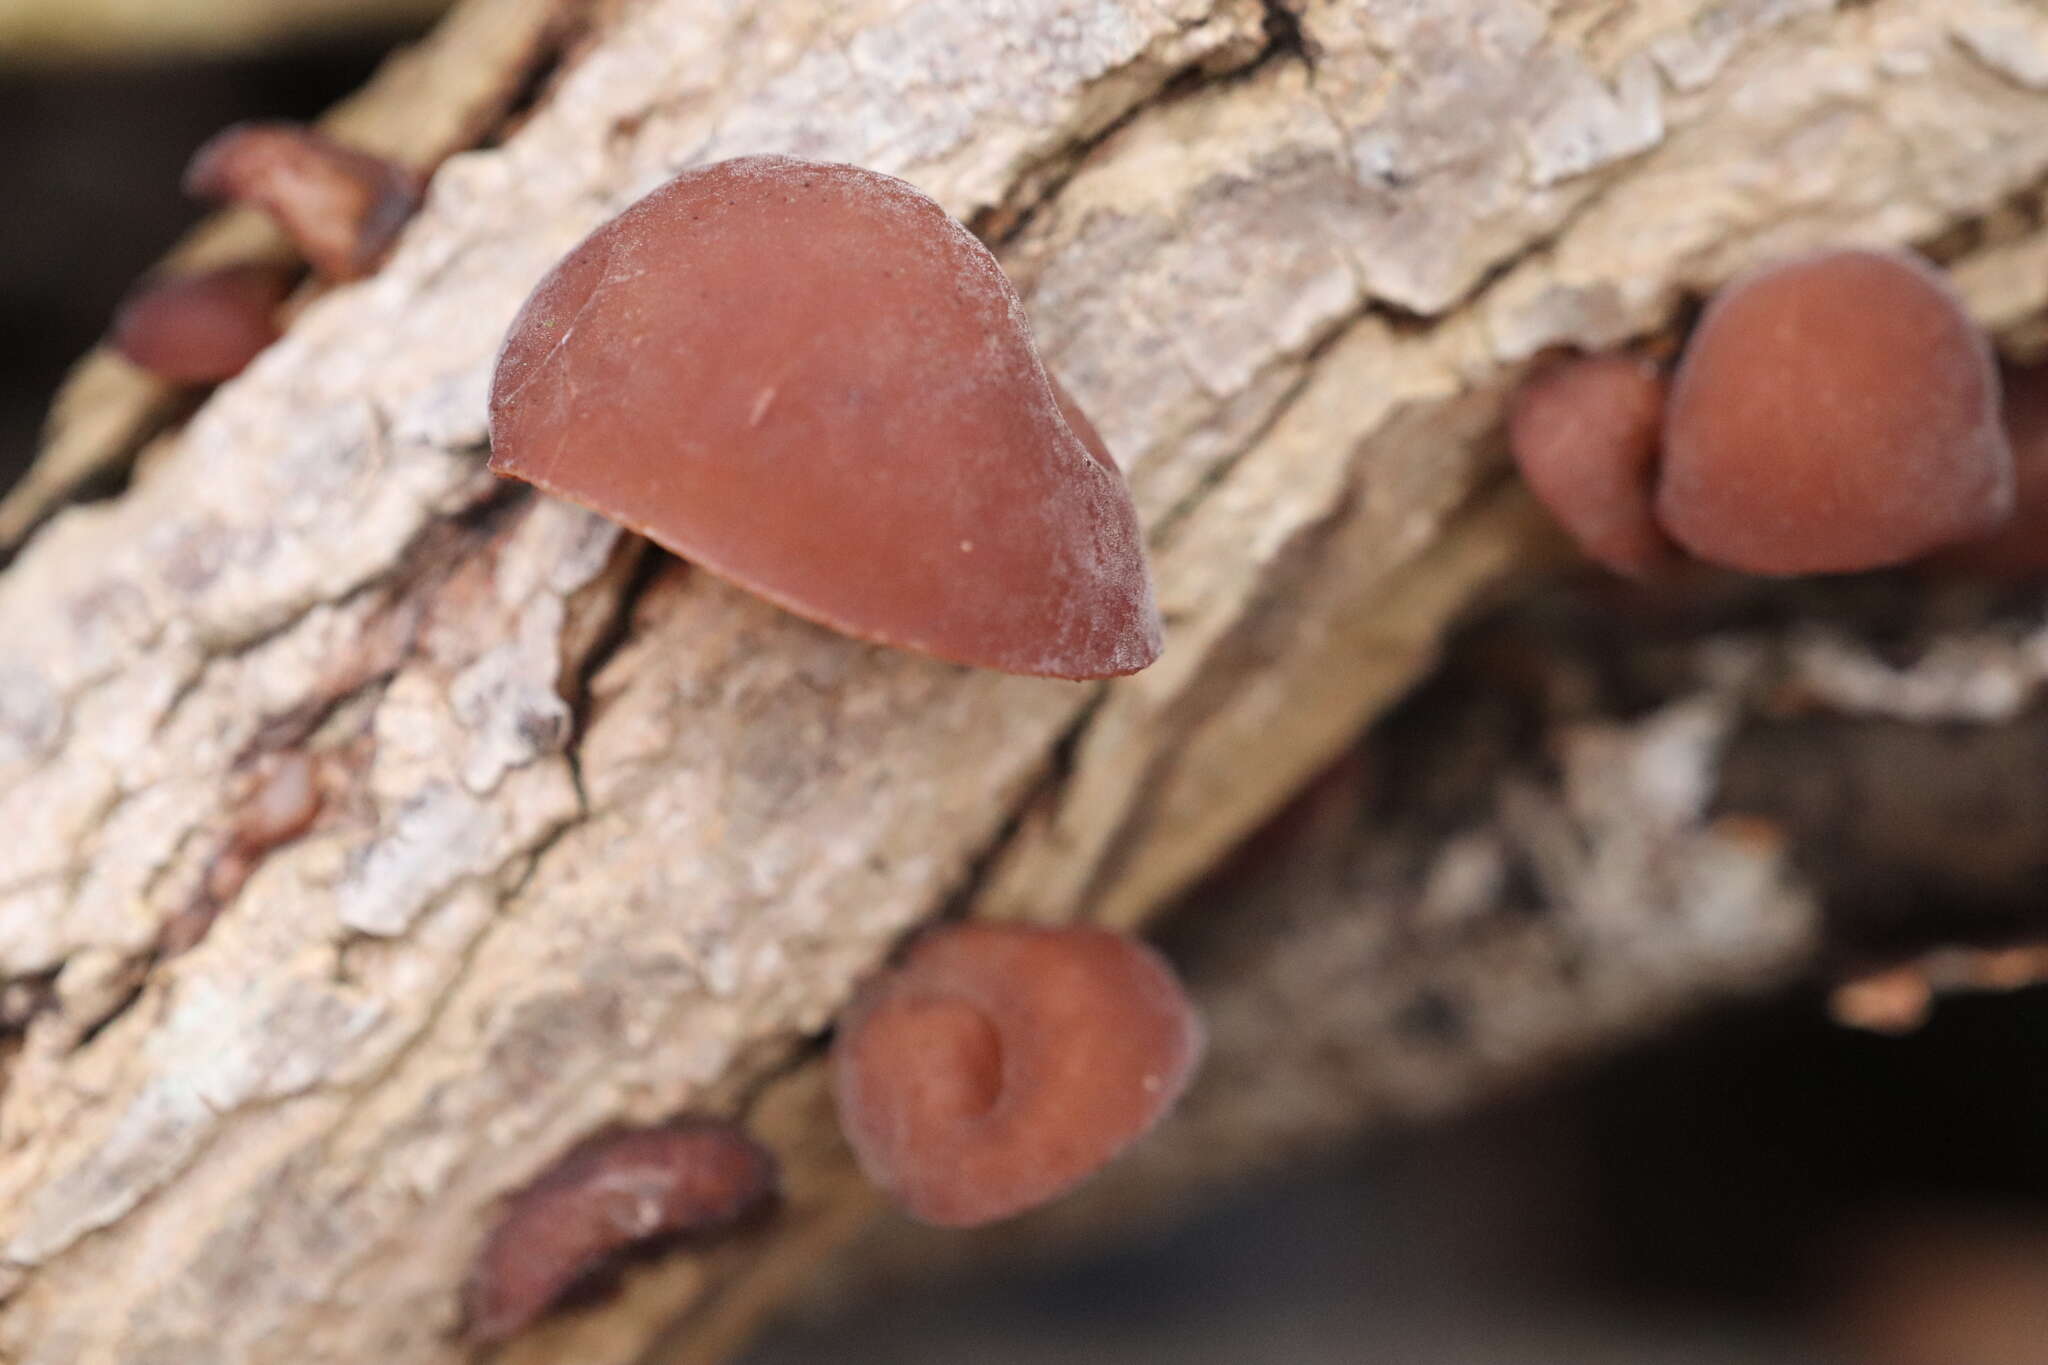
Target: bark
x=602, y=839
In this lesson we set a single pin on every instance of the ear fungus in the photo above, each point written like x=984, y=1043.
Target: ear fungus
x=1001, y=1065
x=342, y=208
x=606, y=1198
x=811, y=381
x=1584, y=432
x=1833, y=413
x=201, y=328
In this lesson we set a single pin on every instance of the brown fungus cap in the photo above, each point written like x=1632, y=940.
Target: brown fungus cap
x=203, y=328
x=612, y=1194
x=1001, y=1065
x=342, y=208
x=811, y=381
x=1833, y=413
x=1585, y=433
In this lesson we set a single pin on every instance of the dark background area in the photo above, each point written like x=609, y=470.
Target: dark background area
x=1702, y=1199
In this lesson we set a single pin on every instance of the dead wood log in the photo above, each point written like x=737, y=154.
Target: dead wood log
x=602, y=839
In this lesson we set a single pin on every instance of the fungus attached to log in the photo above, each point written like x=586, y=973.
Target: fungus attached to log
x=1585, y=434
x=810, y=380
x=609, y=1197
x=1001, y=1065
x=342, y=208
x=202, y=328
x=1833, y=413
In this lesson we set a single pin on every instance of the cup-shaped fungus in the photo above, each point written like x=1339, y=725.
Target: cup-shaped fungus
x=202, y=328
x=1585, y=433
x=607, y=1197
x=1001, y=1065
x=811, y=381
x=340, y=207
x=1832, y=413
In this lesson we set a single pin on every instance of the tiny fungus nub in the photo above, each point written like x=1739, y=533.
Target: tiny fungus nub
x=201, y=328
x=1000, y=1065
x=621, y=1192
x=341, y=207
x=1832, y=413
x=809, y=380
x=1585, y=433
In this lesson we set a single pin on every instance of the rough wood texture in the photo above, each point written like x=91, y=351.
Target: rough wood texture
x=566, y=874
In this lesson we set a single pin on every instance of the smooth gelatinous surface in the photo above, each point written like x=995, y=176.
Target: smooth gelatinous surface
x=203, y=328
x=1001, y=1065
x=1585, y=433
x=810, y=380
x=2019, y=548
x=608, y=1196
x=1833, y=413
x=341, y=207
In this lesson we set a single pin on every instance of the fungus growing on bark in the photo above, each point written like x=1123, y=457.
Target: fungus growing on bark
x=620, y=1193
x=1585, y=434
x=341, y=207
x=1832, y=413
x=202, y=328
x=2018, y=549
x=811, y=381
x=1001, y=1065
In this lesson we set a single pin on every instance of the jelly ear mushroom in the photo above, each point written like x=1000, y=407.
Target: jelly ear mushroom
x=201, y=328
x=342, y=208
x=619, y=1192
x=811, y=381
x=1833, y=413
x=1584, y=432
x=1001, y=1065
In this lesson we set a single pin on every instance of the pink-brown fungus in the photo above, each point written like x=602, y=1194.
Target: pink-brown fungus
x=1001, y=1065
x=611, y=1196
x=1832, y=413
x=341, y=207
x=2018, y=549
x=201, y=328
x=811, y=381
x=1585, y=434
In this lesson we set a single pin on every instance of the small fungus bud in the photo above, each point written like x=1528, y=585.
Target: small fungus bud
x=283, y=798
x=811, y=381
x=1001, y=1065
x=2018, y=549
x=1833, y=413
x=1585, y=434
x=204, y=328
x=341, y=207
x=621, y=1192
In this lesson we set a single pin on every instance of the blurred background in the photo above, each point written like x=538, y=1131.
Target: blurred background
x=1763, y=1186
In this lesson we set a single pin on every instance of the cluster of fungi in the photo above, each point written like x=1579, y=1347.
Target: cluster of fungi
x=1832, y=413
x=341, y=209
x=811, y=381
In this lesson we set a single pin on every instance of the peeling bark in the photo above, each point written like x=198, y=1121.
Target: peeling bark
x=604, y=845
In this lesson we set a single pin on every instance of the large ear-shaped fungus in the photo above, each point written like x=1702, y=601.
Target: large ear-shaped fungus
x=810, y=380
x=1001, y=1065
x=1585, y=433
x=342, y=208
x=1833, y=413
x=202, y=328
